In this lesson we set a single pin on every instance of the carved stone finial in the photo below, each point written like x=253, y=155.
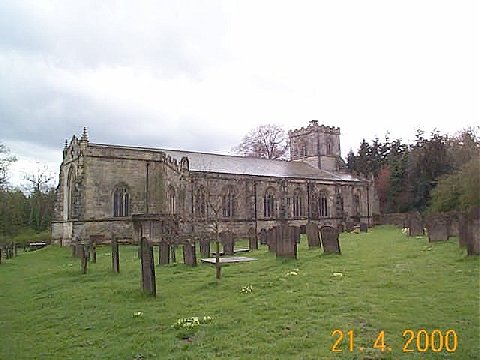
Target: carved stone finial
x=66, y=144
x=84, y=135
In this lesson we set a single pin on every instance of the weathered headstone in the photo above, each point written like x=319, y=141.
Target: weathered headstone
x=115, y=255
x=228, y=242
x=349, y=226
x=303, y=229
x=205, y=248
x=296, y=233
x=252, y=239
x=330, y=242
x=164, y=249
x=83, y=258
x=363, y=227
x=271, y=239
x=78, y=247
x=286, y=244
x=263, y=236
x=453, y=220
x=148, y=267
x=312, y=235
x=437, y=227
x=189, y=255
x=415, y=224
x=470, y=231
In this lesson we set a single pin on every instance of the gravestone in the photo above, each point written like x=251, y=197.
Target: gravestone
x=312, y=235
x=469, y=228
x=78, y=247
x=148, y=267
x=173, y=254
x=363, y=227
x=296, y=233
x=205, y=248
x=228, y=241
x=83, y=258
x=263, y=237
x=415, y=224
x=330, y=242
x=252, y=239
x=164, y=250
x=271, y=239
x=303, y=229
x=286, y=244
x=115, y=255
x=453, y=228
x=0, y=254
x=189, y=255
x=349, y=226
x=437, y=228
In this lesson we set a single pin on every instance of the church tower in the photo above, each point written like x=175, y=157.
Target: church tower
x=317, y=145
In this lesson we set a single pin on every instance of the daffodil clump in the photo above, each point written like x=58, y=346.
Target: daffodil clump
x=294, y=272
x=188, y=326
x=247, y=289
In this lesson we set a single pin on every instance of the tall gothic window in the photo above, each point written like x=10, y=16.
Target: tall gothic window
x=228, y=202
x=303, y=150
x=200, y=202
x=269, y=203
x=70, y=194
x=121, y=202
x=298, y=209
x=322, y=204
x=171, y=200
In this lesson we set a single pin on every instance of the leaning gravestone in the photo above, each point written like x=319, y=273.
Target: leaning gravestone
x=286, y=244
x=164, y=249
x=115, y=255
x=330, y=242
x=312, y=235
x=415, y=224
x=148, y=267
x=228, y=242
x=189, y=255
x=437, y=227
x=83, y=258
x=252, y=239
x=469, y=228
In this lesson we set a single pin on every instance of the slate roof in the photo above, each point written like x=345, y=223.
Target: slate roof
x=240, y=165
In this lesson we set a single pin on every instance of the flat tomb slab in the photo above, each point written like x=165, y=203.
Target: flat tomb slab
x=239, y=250
x=226, y=260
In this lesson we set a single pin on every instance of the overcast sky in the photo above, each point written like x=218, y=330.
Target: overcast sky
x=198, y=75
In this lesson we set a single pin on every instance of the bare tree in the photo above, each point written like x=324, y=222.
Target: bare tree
x=5, y=160
x=42, y=197
x=266, y=141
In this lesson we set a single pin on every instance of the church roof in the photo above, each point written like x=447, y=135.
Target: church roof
x=240, y=165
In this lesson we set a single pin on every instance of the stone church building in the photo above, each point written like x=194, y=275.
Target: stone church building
x=105, y=189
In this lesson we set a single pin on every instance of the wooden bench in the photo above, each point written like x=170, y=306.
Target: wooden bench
x=36, y=245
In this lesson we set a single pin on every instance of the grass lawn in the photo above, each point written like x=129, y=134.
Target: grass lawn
x=389, y=282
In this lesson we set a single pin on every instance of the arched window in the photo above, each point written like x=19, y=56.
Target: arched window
x=298, y=209
x=303, y=150
x=171, y=200
x=322, y=204
x=269, y=203
x=121, y=201
x=200, y=202
x=71, y=194
x=228, y=202
x=329, y=148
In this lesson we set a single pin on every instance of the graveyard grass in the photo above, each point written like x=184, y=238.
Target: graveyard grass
x=266, y=309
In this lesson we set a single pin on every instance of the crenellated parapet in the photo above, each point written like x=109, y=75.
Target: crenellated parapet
x=313, y=126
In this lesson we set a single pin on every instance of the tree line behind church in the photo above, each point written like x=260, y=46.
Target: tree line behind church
x=436, y=173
